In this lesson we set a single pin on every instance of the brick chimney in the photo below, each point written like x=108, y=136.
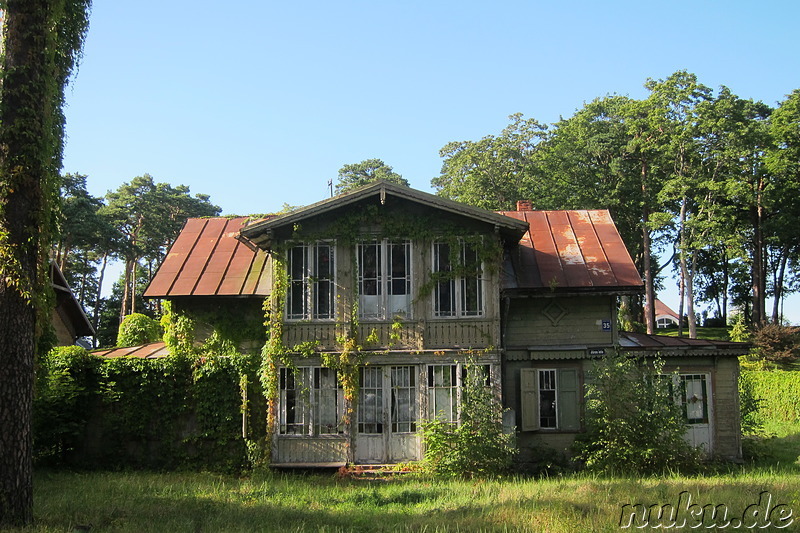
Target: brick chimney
x=524, y=205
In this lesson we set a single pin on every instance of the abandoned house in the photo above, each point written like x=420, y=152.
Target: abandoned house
x=413, y=287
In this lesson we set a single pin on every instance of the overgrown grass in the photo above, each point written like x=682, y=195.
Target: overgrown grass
x=718, y=334
x=178, y=502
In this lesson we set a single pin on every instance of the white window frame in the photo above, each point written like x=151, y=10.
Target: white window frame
x=302, y=406
x=456, y=372
x=457, y=285
x=305, y=277
x=384, y=281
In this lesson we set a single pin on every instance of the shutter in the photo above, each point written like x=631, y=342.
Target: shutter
x=568, y=400
x=529, y=398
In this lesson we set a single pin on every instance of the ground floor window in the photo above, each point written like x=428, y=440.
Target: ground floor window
x=311, y=402
x=445, y=383
x=550, y=399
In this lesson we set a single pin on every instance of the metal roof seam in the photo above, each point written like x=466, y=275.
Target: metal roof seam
x=233, y=253
x=217, y=240
x=590, y=213
x=186, y=258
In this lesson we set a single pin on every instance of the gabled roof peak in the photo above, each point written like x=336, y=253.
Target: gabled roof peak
x=383, y=191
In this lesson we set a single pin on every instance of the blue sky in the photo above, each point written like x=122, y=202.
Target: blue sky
x=259, y=103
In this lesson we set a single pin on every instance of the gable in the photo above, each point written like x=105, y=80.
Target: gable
x=379, y=200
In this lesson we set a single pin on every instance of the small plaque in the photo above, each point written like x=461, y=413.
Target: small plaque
x=606, y=325
x=597, y=351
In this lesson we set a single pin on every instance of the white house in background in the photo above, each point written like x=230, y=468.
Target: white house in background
x=665, y=317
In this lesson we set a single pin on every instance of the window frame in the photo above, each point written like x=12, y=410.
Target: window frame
x=308, y=396
x=457, y=373
x=384, y=279
x=568, y=399
x=305, y=278
x=457, y=285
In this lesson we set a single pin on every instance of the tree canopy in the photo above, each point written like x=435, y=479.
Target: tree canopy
x=363, y=173
x=707, y=178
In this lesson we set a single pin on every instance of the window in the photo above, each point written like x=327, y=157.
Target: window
x=444, y=389
x=311, y=282
x=692, y=396
x=311, y=402
x=459, y=289
x=550, y=399
x=384, y=279
x=666, y=322
x=694, y=399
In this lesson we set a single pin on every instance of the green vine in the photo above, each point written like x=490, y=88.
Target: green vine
x=350, y=356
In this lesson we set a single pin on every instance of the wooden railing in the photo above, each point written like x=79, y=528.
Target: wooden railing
x=414, y=335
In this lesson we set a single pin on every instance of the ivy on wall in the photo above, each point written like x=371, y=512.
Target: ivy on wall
x=347, y=231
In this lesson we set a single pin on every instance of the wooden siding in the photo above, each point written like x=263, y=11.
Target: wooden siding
x=309, y=450
x=561, y=321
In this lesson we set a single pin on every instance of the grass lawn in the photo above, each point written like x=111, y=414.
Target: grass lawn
x=718, y=334
x=177, y=502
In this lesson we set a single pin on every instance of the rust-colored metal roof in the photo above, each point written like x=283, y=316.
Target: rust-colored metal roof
x=579, y=249
x=153, y=350
x=207, y=259
x=643, y=343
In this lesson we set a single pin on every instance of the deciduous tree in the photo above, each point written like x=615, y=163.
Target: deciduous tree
x=41, y=41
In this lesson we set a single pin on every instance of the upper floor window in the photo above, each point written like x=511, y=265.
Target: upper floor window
x=384, y=279
x=459, y=289
x=312, y=287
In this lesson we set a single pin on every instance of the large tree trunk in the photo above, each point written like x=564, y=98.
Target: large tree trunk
x=25, y=142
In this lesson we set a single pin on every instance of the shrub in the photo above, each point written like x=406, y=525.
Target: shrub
x=477, y=445
x=634, y=425
x=777, y=344
x=136, y=329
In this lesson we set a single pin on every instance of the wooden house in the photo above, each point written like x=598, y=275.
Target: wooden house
x=400, y=290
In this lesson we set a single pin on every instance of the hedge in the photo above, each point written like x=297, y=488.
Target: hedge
x=167, y=413
x=776, y=394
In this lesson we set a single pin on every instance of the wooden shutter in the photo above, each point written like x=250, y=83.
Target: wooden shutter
x=569, y=396
x=529, y=398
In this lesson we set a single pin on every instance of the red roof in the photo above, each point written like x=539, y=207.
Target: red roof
x=571, y=250
x=207, y=259
x=642, y=342
x=560, y=250
x=147, y=351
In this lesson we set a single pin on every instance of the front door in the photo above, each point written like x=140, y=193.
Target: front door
x=388, y=414
x=695, y=392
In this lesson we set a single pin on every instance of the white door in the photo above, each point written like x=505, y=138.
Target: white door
x=695, y=395
x=388, y=415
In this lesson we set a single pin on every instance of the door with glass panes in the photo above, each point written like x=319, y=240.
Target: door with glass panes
x=694, y=393
x=387, y=415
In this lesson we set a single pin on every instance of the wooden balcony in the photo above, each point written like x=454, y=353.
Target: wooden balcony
x=413, y=335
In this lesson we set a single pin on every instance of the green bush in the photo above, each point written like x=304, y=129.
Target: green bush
x=165, y=413
x=477, y=445
x=66, y=388
x=633, y=424
x=137, y=329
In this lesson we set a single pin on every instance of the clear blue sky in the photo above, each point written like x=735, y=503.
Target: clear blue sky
x=259, y=103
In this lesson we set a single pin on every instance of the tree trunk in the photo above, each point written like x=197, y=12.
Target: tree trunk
x=25, y=165
x=649, y=287
x=690, y=296
x=98, y=296
x=776, y=305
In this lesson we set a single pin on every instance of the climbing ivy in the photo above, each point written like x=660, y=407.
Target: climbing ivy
x=370, y=222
